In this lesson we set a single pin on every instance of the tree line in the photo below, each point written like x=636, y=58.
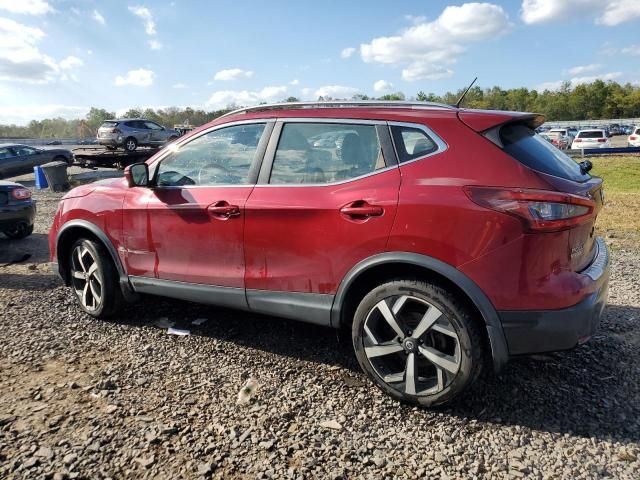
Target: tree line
x=597, y=100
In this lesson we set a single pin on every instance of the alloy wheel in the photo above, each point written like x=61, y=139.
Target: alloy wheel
x=86, y=277
x=411, y=345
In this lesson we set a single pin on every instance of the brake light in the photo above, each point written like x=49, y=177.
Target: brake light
x=633, y=137
x=539, y=210
x=578, y=140
x=602, y=140
x=115, y=130
x=21, y=193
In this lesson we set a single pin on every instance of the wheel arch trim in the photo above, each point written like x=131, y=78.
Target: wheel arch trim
x=497, y=340
x=104, y=239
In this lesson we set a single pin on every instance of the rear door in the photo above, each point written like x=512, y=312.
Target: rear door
x=325, y=200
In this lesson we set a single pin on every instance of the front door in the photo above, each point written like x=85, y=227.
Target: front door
x=328, y=202
x=195, y=213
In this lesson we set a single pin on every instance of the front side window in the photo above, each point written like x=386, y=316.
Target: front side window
x=220, y=157
x=319, y=153
x=412, y=143
x=152, y=126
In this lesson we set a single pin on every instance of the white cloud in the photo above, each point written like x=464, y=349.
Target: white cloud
x=23, y=114
x=606, y=12
x=382, y=86
x=631, y=50
x=347, y=52
x=70, y=62
x=295, y=81
x=428, y=49
x=28, y=7
x=20, y=58
x=575, y=81
x=145, y=14
x=580, y=69
x=228, y=98
x=306, y=92
x=415, y=19
x=232, y=74
x=336, y=91
x=155, y=45
x=178, y=85
x=138, y=78
x=97, y=16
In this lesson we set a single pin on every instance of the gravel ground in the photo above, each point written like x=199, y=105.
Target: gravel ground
x=81, y=398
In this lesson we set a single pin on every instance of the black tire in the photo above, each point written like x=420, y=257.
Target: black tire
x=111, y=299
x=19, y=230
x=462, y=342
x=130, y=144
x=111, y=147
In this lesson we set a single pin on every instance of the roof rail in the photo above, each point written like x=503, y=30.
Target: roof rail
x=340, y=104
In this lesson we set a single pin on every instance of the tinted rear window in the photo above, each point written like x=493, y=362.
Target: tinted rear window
x=535, y=152
x=109, y=124
x=590, y=134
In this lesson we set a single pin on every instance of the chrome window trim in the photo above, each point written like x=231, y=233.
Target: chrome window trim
x=156, y=162
x=440, y=143
x=346, y=121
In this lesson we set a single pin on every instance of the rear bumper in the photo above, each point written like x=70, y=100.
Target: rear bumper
x=541, y=331
x=12, y=214
x=110, y=141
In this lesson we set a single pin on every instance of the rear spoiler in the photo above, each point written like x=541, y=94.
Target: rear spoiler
x=483, y=120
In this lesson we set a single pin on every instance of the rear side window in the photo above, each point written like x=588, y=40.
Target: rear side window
x=597, y=134
x=535, y=152
x=318, y=153
x=412, y=143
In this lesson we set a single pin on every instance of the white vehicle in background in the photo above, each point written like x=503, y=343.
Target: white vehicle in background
x=593, y=138
x=634, y=138
x=564, y=132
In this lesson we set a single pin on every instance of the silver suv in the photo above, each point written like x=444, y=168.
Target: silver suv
x=130, y=133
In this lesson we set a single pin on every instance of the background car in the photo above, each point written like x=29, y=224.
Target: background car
x=16, y=159
x=596, y=138
x=634, y=138
x=17, y=210
x=131, y=133
x=560, y=138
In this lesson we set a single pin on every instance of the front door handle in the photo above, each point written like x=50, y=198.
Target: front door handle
x=361, y=210
x=223, y=210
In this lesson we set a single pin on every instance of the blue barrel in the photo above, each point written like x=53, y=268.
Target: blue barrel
x=41, y=180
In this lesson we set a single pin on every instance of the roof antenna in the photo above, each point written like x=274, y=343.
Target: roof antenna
x=457, y=105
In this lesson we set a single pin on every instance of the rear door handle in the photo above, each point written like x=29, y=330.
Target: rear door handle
x=361, y=209
x=223, y=210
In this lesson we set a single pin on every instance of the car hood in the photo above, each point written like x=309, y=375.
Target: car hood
x=6, y=183
x=106, y=184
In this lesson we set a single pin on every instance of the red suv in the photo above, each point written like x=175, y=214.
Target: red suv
x=447, y=239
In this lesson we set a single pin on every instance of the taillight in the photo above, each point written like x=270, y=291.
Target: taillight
x=602, y=140
x=539, y=210
x=633, y=137
x=115, y=130
x=578, y=140
x=21, y=193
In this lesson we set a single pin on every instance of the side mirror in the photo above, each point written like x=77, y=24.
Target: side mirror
x=137, y=175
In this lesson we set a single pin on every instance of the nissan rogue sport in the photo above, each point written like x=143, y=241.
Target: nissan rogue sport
x=445, y=239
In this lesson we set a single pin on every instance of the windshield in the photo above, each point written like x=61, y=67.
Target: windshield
x=523, y=144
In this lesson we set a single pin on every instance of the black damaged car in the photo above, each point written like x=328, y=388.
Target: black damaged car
x=17, y=210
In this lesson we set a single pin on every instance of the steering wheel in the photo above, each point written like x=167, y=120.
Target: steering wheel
x=175, y=179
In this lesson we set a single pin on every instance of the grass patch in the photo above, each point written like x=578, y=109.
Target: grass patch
x=619, y=220
x=620, y=174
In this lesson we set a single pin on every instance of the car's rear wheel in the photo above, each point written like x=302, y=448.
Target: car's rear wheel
x=60, y=158
x=417, y=342
x=130, y=144
x=94, y=279
x=19, y=230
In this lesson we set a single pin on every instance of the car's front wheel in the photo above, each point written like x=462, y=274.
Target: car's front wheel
x=94, y=279
x=417, y=342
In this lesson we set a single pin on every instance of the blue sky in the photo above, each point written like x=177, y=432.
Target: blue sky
x=60, y=57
